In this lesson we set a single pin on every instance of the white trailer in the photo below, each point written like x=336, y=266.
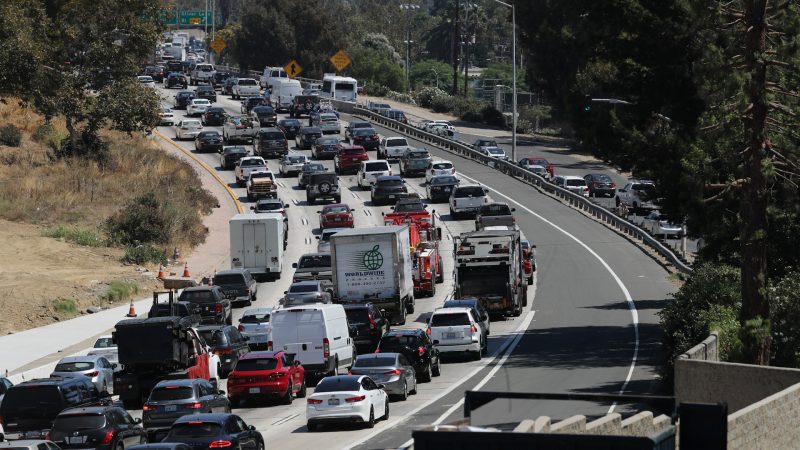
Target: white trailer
x=283, y=92
x=374, y=265
x=339, y=88
x=257, y=243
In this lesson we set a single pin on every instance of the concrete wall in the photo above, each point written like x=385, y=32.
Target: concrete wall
x=772, y=423
x=739, y=385
x=708, y=350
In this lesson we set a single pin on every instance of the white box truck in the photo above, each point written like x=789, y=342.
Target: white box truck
x=257, y=243
x=317, y=335
x=283, y=92
x=374, y=265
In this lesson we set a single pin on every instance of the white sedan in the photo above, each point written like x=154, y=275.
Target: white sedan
x=147, y=80
x=188, y=129
x=197, y=106
x=495, y=152
x=104, y=346
x=167, y=116
x=346, y=399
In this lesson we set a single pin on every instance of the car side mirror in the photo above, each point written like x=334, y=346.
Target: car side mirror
x=294, y=265
x=286, y=205
x=317, y=237
x=513, y=209
x=285, y=292
x=382, y=387
x=435, y=342
x=252, y=428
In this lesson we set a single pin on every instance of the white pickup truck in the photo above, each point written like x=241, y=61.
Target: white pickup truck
x=202, y=73
x=245, y=87
x=393, y=147
x=239, y=129
x=247, y=165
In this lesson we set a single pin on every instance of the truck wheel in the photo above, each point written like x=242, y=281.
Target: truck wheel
x=229, y=320
x=439, y=277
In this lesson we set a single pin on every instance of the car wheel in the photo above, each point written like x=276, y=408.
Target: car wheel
x=414, y=391
x=386, y=411
x=287, y=399
x=119, y=446
x=311, y=426
x=302, y=392
x=437, y=369
x=371, y=422
x=404, y=395
x=426, y=376
x=260, y=446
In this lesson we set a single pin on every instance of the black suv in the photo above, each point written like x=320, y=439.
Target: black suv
x=214, y=116
x=251, y=102
x=32, y=405
x=180, y=309
x=417, y=347
x=270, y=142
x=183, y=98
x=227, y=342
x=367, y=326
x=387, y=189
x=306, y=137
x=322, y=186
x=303, y=104
x=238, y=285
x=365, y=137
x=267, y=117
x=176, y=79
x=230, y=155
x=214, y=307
x=289, y=127
x=100, y=427
x=206, y=92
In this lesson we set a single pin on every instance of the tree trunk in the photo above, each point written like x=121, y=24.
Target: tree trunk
x=456, y=38
x=755, y=302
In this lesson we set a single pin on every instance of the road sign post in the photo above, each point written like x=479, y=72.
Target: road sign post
x=292, y=68
x=340, y=60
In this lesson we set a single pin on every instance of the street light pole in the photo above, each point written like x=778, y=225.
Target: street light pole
x=408, y=7
x=514, y=81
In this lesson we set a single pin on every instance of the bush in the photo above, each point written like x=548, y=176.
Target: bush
x=76, y=235
x=401, y=97
x=120, y=291
x=10, y=135
x=425, y=96
x=785, y=314
x=144, y=254
x=143, y=220
x=493, y=117
x=46, y=134
x=65, y=305
x=442, y=104
x=377, y=90
x=468, y=109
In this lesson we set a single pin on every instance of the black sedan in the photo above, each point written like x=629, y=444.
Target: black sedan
x=325, y=147
x=365, y=137
x=306, y=136
x=229, y=156
x=387, y=189
x=440, y=187
x=417, y=347
x=101, y=427
x=289, y=127
x=208, y=141
x=206, y=92
x=214, y=116
x=183, y=98
x=176, y=79
x=215, y=431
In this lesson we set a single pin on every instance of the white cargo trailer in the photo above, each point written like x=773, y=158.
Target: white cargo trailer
x=374, y=265
x=257, y=243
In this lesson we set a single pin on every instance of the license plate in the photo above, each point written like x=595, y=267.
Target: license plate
x=170, y=408
x=391, y=196
x=447, y=189
x=76, y=439
x=254, y=390
x=333, y=401
x=450, y=335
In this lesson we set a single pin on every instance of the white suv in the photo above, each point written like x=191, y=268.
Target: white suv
x=371, y=170
x=573, y=183
x=439, y=167
x=454, y=330
x=197, y=107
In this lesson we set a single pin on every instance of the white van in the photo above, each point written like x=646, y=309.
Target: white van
x=271, y=75
x=318, y=335
x=283, y=92
x=339, y=88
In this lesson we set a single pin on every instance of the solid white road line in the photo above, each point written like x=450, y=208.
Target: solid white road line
x=625, y=292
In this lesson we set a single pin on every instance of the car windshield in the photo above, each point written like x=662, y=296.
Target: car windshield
x=495, y=151
x=442, y=166
x=418, y=154
x=399, y=340
x=168, y=393
x=77, y=422
x=247, y=82
x=214, y=338
x=391, y=182
x=352, y=151
x=252, y=364
x=410, y=207
x=469, y=191
x=486, y=143
x=197, y=296
x=335, y=210
x=602, y=177
x=444, y=180
x=295, y=159
x=255, y=318
x=396, y=142
x=363, y=132
x=576, y=182
x=309, y=262
x=326, y=235
x=290, y=122
x=418, y=163
x=300, y=288
x=381, y=166
x=327, y=141
x=648, y=189
x=73, y=366
x=449, y=319
x=357, y=315
x=313, y=168
x=376, y=362
x=193, y=430
x=252, y=162
x=228, y=279
x=272, y=136
x=192, y=125
x=338, y=384
x=268, y=206
x=209, y=134
x=104, y=342
x=232, y=150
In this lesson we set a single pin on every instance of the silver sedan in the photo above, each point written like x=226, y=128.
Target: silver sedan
x=97, y=368
x=292, y=164
x=393, y=370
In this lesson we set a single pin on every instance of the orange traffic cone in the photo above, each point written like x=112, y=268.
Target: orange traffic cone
x=131, y=310
x=160, y=271
x=186, y=269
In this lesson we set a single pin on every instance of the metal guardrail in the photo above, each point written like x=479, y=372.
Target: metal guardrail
x=600, y=213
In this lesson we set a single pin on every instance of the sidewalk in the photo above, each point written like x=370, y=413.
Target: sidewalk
x=30, y=349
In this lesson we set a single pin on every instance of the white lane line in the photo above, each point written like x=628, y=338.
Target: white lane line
x=294, y=200
x=308, y=241
x=367, y=212
x=625, y=292
x=354, y=195
x=507, y=347
x=286, y=419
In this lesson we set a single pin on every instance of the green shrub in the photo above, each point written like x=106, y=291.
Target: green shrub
x=120, y=291
x=425, y=96
x=65, y=306
x=143, y=220
x=377, y=90
x=493, y=117
x=468, y=109
x=76, y=235
x=144, y=254
x=785, y=315
x=10, y=135
x=46, y=134
x=442, y=104
x=401, y=97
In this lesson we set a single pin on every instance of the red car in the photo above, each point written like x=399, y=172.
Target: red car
x=267, y=375
x=336, y=215
x=349, y=157
x=524, y=162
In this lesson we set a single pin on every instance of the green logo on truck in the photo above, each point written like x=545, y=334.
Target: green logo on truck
x=373, y=259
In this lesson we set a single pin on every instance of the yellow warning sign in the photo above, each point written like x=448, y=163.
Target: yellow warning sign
x=195, y=20
x=293, y=69
x=340, y=60
x=218, y=45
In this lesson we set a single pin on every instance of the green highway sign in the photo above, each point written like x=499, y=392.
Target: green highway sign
x=200, y=17
x=168, y=16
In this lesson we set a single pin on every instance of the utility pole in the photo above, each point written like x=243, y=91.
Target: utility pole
x=408, y=7
x=456, y=35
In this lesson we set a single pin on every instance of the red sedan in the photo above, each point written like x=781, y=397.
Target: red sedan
x=349, y=157
x=267, y=375
x=336, y=215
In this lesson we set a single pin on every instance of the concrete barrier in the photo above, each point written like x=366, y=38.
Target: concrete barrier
x=771, y=423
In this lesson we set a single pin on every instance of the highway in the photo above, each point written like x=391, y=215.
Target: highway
x=591, y=324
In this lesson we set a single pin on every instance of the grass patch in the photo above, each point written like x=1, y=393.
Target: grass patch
x=120, y=291
x=76, y=235
x=144, y=254
x=65, y=306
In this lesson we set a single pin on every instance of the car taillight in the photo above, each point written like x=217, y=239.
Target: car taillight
x=148, y=407
x=92, y=374
x=313, y=401
x=393, y=372
x=269, y=345
x=472, y=329
x=218, y=308
x=107, y=438
x=613, y=185
x=195, y=405
x=247, y=291
x=377, y=350
x=355, y=399
x=421, y=350
x=220, y=444
x=372, y=324
x=240, y=328
x=223, y=351
x=326, y=348
x=428, y=331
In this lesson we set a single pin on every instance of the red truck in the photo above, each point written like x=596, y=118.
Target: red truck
x=409, y=210
x=424, y=238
